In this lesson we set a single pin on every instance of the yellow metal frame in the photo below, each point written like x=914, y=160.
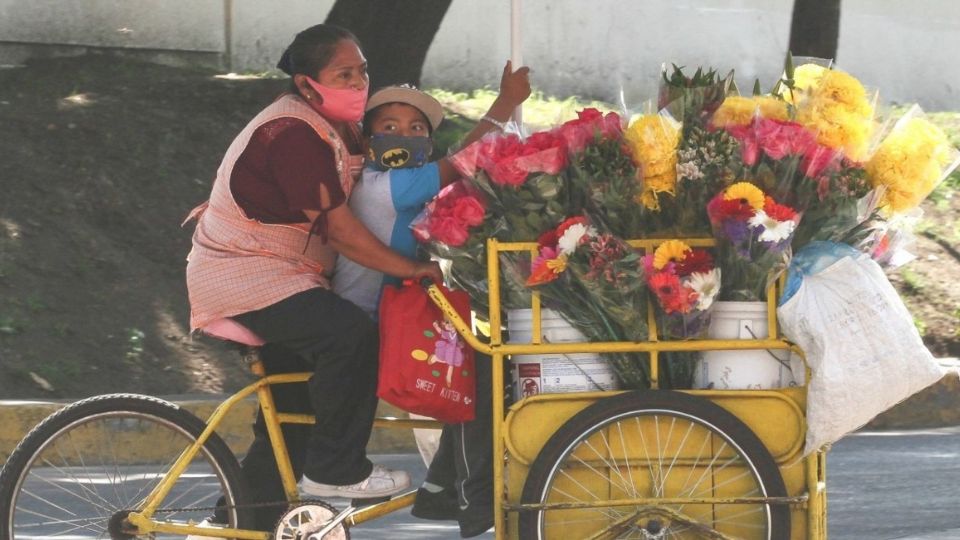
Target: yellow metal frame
x=813, y=502
x=144, y=519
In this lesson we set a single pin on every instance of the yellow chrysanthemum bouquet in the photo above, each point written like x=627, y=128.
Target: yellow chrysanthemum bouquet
x=910, y=162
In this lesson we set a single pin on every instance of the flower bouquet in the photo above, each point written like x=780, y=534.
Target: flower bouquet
x=595, y=280
x=907, y=166
x=833, y=105
x=753, y=234
x=684, y=282
x=454, y=227
x=694, y=99
x=682, y=164
x=653, y=140
x=603, y=177
x=910, y=162
x=521, y=180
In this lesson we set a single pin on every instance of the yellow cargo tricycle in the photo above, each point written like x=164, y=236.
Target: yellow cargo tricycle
x=690, y=464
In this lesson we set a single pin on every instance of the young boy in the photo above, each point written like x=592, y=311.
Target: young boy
x=398, y=180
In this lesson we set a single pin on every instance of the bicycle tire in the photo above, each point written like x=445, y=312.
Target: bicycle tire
x=723, y=458
x=87, y=462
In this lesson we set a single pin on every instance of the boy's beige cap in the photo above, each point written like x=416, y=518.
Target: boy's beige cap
x=409, y=95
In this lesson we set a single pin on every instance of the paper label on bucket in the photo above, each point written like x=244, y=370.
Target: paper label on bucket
x=558, y=374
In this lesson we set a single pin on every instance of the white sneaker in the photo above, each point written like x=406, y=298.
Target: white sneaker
x=382, y=482
x=205, y=523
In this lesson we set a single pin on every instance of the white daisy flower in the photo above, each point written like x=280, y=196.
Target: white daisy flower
x=706, y=285
x=773, y=230
x=570, y=239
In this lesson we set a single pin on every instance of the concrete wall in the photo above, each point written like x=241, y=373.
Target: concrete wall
x=592, y=48
x=596, y=48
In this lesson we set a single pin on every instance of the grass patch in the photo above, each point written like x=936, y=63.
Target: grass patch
x=920, y=325
x=912, y=282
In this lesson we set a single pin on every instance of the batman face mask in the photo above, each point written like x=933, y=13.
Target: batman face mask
x=398, y=152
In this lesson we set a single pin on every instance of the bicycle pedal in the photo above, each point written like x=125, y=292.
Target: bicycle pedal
x=358, y=503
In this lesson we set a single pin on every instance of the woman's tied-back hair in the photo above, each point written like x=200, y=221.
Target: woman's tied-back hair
x=312, y=49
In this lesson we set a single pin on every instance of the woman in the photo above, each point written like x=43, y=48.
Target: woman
x=262, y=255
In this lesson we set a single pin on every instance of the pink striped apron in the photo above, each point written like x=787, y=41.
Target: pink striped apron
x=239, y=264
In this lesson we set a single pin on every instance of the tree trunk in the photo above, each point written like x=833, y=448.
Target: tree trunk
x=815, y=28
x=394, y=34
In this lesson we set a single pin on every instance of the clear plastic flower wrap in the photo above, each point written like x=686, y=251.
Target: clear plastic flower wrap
x=910, y=162
x=454, y=228
x=521, y=180
x=753, y=233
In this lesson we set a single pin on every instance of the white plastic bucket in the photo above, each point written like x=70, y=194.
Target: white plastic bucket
x=747, y=369
x=554, y=373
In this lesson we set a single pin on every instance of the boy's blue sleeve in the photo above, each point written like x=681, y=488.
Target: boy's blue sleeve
x=414, y=187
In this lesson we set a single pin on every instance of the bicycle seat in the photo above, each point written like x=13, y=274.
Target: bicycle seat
x=230, y=330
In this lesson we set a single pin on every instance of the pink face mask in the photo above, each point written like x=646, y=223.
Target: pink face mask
x=344, y=104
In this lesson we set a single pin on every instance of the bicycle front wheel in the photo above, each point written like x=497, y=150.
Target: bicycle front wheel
x=78, y=472
x=701, y=472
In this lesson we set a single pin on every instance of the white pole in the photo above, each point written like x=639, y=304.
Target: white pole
x=515, y=56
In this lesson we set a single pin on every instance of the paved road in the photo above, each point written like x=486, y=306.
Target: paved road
x=881, y=486
x=895, y=485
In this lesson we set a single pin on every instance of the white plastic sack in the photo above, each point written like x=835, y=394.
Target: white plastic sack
x=864, y=352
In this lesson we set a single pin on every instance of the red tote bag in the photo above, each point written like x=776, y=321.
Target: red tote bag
x=425, y=366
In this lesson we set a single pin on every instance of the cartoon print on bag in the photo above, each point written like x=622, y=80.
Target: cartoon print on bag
x=448, y=349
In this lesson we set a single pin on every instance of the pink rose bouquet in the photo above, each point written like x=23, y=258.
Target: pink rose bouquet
x=521, y=180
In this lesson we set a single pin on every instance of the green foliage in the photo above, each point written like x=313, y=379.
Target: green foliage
x=912, y=282
x=920, y=325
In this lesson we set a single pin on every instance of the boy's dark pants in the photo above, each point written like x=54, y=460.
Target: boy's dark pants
x=464, y=459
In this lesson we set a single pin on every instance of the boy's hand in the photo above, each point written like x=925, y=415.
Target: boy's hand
x=514, y=85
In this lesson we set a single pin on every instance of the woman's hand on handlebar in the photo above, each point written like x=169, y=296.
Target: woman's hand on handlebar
x=428, y=269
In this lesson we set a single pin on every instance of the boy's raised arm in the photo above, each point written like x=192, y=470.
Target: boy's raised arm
x=514, y=90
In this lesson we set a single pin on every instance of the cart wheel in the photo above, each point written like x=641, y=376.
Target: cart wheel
x=654, y=444
x=83, y=469
x=305, y=519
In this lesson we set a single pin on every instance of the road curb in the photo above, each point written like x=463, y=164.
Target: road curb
x=18, y=417
x=937, y=405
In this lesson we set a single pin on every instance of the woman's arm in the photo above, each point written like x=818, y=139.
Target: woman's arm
x=351, y=239
x=514, y=90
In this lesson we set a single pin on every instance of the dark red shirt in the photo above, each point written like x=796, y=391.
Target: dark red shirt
x=280, y=172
